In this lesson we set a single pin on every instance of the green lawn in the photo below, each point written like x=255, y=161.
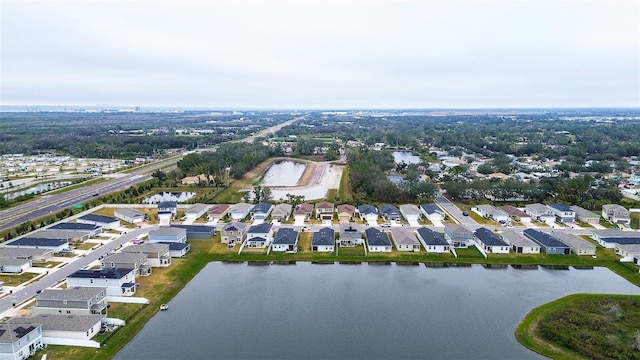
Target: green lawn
x=15, y=280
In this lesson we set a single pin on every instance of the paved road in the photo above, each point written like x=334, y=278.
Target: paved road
x=454, y=211
x=22, y=294
x=47, y=204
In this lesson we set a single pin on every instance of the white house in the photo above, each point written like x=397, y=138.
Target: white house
x=195, y=211
x=405, y=240
x=157, y=254
x=14, y=266
x=106, y=222
x=323, y=240
x=433, y=242
x=259, y=236
x=491, y=242
x=432, y=212
x=129, y=215
x=411, y=213
x=368, y=213
x=540, y=213
x=20, y=341
x=563, y=213
x=286, y=240
x=616, y=214
x=377, y=241
x=74, y=300
x=519, y=243
x=118, y=281
x=56, y=328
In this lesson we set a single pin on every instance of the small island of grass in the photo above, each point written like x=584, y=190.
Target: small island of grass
x=584, y=326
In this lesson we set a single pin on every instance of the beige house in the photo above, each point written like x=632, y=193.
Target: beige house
x=346, y=213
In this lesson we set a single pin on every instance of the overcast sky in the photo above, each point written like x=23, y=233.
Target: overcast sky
x=321, y=54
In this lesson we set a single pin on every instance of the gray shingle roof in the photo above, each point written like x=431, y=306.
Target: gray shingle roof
x=286, y=236
x=324, y=236
x=62, y=322
x=72, y=294
x=489, y=238
x=376, y=237
x=431, y=237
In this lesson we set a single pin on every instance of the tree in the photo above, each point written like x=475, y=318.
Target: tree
x=485, y=168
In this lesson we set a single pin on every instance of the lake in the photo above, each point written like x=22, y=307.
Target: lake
x=407, y=156
x=178, y=197
x=309, y=311
x=283, y=173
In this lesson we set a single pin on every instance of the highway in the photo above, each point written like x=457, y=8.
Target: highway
x=57, y=275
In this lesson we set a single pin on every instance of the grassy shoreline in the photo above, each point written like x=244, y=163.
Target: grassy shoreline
x=528, y=331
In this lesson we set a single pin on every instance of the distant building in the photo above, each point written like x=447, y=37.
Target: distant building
x=105, y=222
x=129, y=215
x=73, y=300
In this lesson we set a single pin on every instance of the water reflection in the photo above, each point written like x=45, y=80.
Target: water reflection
x=169, y=196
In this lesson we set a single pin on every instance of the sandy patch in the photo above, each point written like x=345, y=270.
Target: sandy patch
x=314, y=184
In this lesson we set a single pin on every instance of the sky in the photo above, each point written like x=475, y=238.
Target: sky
x=309, y=54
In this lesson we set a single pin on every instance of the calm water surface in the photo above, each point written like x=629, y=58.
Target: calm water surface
x=407, y=156
x=308, y=311
x=169, y=196
x=283, y=173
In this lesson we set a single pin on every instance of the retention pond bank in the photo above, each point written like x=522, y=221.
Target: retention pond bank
x=357, y=311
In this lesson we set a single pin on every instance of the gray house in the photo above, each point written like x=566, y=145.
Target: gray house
x=548, y=244
x=19, y=341
x=74, y=300
x=168, y=234
x=616, y=214
x=157, y=254
x=578, y=246
x=458, y=235
x=14, y=266
x=197, y=231
x=136, y=261
x=389, y=212
x=405, y=240
x=132, y=216
x=281, y=212
x=585, y=215
x=350, y=235
x=519, y=243
x=233, y=233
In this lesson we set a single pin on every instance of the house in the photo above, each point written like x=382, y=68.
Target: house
x=548, y=244
x=233, y=233
x=195, y=211
x=432, y=212
x=323, y=240
x=519, y=243
x=578, y=246
x=136, y=261
x=411, y=212
x=118, y=281
x=168, y=207
x=616, y=214
x=324, y=211
x=259, y=236
x=490, y=242
x=164, y=218
x=389, y=212
x=369, y=213
x=20, y=341
x=281, y=212
x=217, y=212
x=628, y=252
x=35, y=255
x=90, y=229
x=585, y=215
x=157, y=254
x=515, y=214
x=493, y=213
x=433, y=242
x=611, y=238
x=68, y=235
x=405, y=240
x=302, y=212
x=261, y=211
x=58, y=328
x=55, y=245
x=539, y=212
x=131, y=216
x=168, y=234
x=458, y=235
x=14, y=266
x=198, y=179
x=346, y=213
x=286, y=240
x=377, y=241
x=197, y=231
x=74, y=300
x=177, y=249
x=350, y=235
x=105, y=222
x=563, y=213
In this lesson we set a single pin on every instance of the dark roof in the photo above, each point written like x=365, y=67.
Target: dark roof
x=544, y=239
x=324, y=236
x=260, y=228
x=257, y=239
x=431, y=208
x=167, y=205
x=74, y=226
x=109, y=273
x=622, y=240
x=261, y=207
x=388, y=209
x=489, y=238
x=98, y=218
x=38, y=242
x=173, y=246
x=286, y=236
x=560, y=207
x=194, y=228
x=513, y=211
x=367, y=209
x=431, y=237
x=376, y=237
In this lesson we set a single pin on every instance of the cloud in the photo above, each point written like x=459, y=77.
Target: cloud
x=302, y=54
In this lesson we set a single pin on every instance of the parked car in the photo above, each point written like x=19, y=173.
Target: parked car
x=385, y=225
x=464, y=213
